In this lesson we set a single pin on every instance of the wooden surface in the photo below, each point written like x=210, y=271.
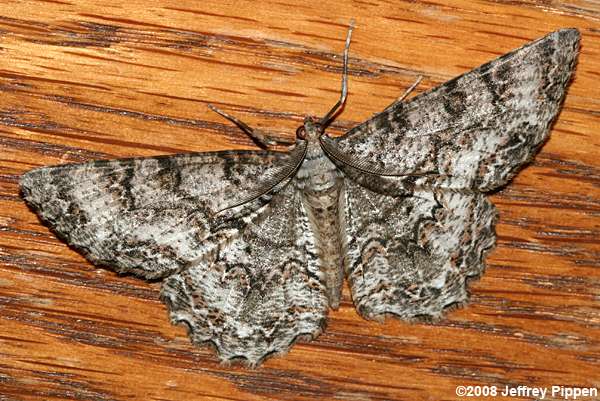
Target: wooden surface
x=81, y=81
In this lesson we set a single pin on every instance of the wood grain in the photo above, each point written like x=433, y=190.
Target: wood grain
x=82, y=81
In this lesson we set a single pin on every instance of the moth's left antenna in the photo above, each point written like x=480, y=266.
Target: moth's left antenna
x=325, y=121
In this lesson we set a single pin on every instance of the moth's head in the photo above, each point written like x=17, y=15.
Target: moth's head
x=310, y=130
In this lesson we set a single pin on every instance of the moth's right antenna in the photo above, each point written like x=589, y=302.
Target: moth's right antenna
x=325, y=121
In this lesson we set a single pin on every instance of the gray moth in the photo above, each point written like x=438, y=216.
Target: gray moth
x=252, y=247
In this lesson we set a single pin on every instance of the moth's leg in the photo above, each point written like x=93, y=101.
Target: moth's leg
x=263, y=139
x=337, y=107
x=406, y=93
x=410, y=89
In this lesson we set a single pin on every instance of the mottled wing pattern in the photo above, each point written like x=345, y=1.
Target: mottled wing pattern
x=246, y=279
x=259, y=292
x=474, y=131
x=152, y=216
x=411, y=256
x=414, y=241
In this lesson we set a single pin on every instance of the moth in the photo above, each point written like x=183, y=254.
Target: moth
x=252, y=247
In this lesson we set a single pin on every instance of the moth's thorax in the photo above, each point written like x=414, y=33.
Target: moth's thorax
x=317, y=173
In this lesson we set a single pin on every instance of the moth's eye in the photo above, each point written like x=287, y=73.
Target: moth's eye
x=301, y=132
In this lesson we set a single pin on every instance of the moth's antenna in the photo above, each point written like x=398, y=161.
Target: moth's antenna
x=325, y=121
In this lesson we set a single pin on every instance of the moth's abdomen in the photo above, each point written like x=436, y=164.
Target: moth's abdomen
x=323, y=209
